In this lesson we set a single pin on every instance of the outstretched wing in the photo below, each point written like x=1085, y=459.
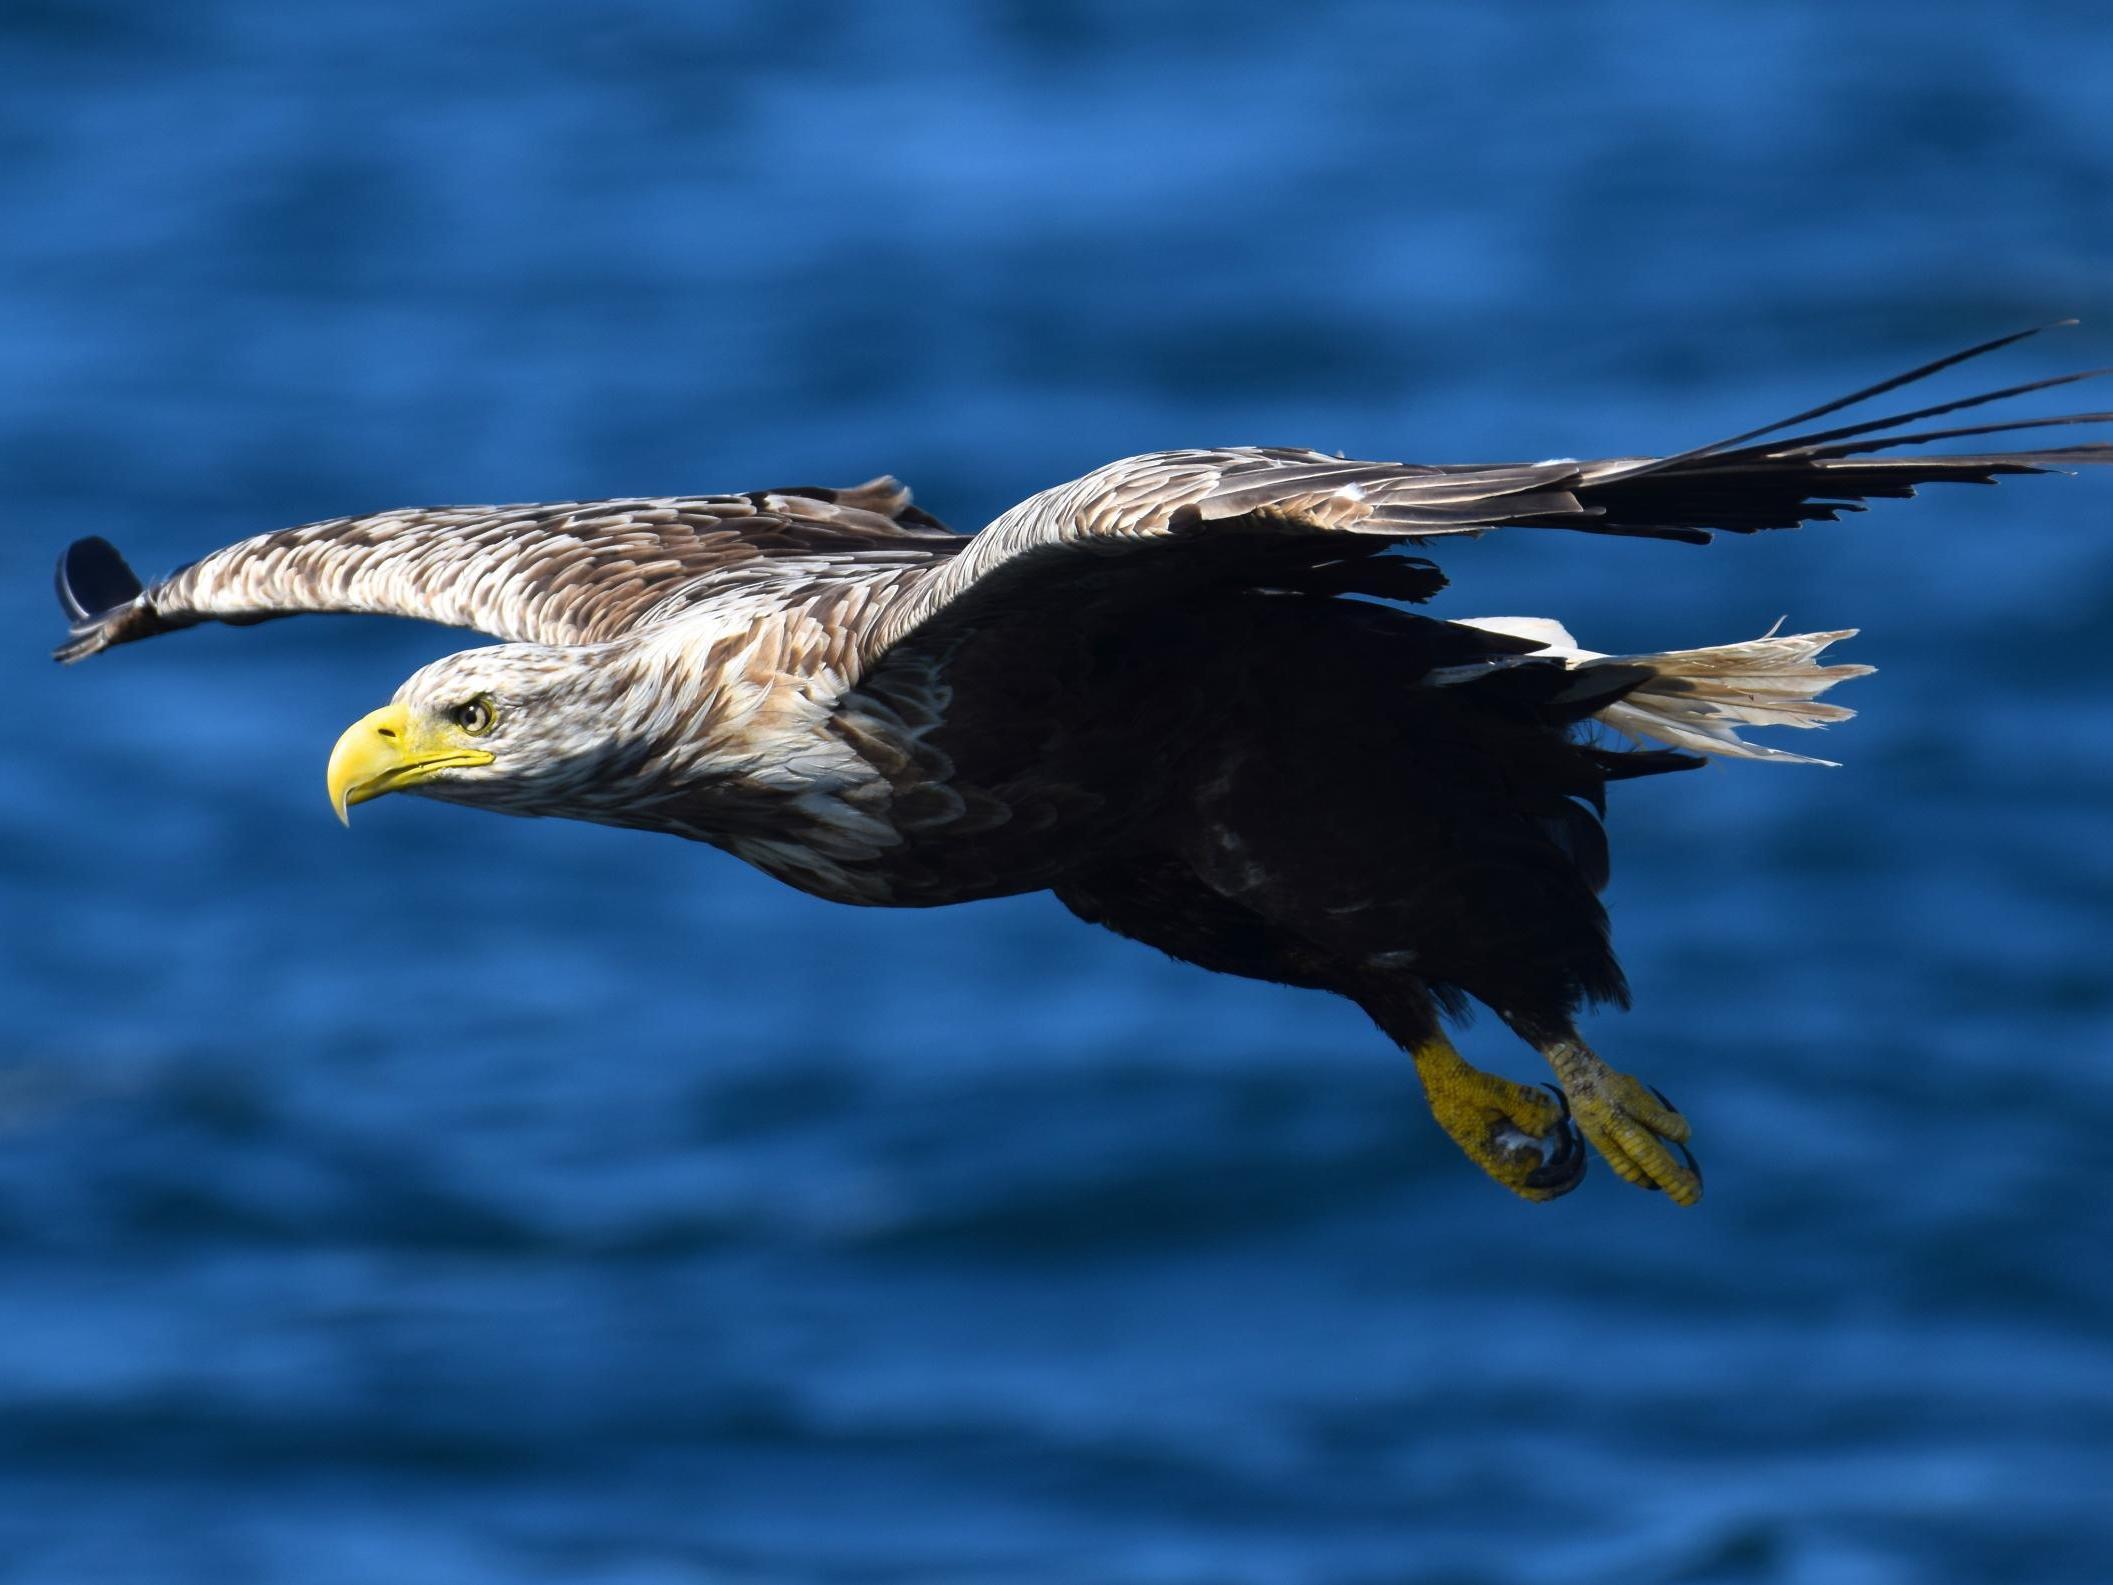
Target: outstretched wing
x=1256, y=513
x=569, y=573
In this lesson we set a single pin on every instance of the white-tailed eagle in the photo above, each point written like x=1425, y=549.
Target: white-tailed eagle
x=1153, y=691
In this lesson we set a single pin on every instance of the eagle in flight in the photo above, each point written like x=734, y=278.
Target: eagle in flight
x=1181, y=692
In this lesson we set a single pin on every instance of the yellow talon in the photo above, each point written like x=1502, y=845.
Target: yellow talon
x=1520, y=1134
x=1628, y=1123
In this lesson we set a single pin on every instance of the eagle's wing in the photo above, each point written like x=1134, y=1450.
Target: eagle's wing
x=569, y=573
x=1128, y=529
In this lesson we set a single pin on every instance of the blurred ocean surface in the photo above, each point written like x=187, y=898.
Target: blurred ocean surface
x=470, y=1200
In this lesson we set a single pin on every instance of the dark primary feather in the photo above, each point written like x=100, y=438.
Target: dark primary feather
x=93, y=578
x=1893, y=382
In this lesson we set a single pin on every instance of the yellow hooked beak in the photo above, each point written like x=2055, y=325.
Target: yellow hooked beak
x=390, y=750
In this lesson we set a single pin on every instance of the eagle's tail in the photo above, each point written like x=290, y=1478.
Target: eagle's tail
x=1698, y=699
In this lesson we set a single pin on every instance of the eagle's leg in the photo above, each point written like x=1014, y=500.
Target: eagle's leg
x=1628, y=1122
x=1520, y=1134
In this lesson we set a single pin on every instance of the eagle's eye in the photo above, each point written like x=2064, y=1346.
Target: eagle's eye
x=476, y=716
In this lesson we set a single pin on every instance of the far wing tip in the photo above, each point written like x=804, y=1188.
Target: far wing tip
x=95, y=585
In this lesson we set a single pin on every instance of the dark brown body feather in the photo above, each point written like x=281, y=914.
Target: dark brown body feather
x=1257, y=784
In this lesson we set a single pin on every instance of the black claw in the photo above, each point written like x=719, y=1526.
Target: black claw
x=1693, y=1165
x=1562, y=1099
x=1564, y=1169
x=1559, y=1176
x=1686, y=1155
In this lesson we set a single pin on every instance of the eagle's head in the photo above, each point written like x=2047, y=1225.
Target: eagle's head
x=527, y=729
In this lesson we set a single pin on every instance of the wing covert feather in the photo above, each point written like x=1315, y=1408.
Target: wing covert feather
x=1229, y=511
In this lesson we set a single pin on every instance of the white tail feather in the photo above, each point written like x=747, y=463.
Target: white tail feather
x=1701, y=697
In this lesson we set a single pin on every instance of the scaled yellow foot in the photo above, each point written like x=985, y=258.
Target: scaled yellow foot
x=1629, y=1123
x=1519, y=1134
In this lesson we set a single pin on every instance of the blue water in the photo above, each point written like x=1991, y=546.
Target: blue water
x=460, y=1199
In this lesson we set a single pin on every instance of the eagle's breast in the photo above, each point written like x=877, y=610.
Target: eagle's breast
x=779, y=759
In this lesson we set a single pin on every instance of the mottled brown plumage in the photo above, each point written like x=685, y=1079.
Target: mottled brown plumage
x=1144, y=689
